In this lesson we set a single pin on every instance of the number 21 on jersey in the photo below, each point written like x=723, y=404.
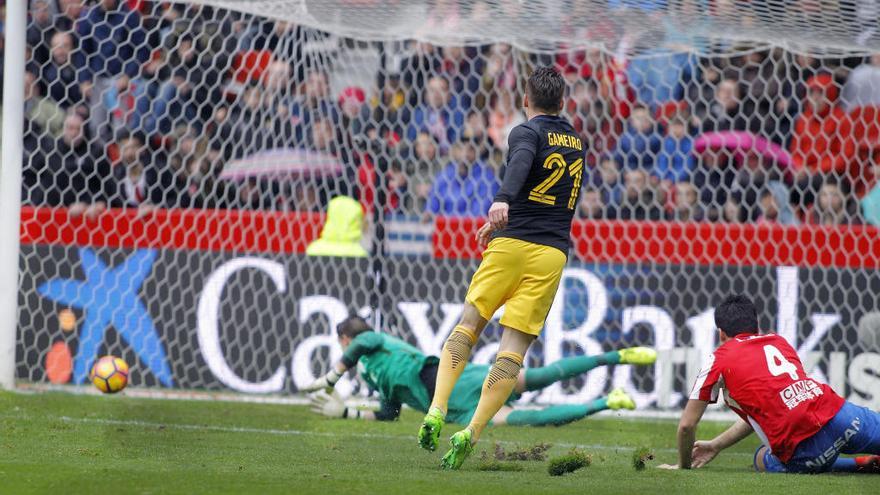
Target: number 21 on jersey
x=556, y=163
x=777, y=364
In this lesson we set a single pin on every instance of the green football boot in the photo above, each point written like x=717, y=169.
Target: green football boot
x=618, y=399
x=637, y=355
x=461, y=449
x=429, y=433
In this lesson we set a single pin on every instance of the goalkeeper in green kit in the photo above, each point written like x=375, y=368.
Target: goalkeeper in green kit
x=404, y=375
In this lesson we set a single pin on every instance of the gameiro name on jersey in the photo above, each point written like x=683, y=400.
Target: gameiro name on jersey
x=765, y=384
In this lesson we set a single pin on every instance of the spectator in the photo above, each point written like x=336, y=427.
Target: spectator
x=687, y=204
x=386, y=110
x=312, y=103
x=715, y=176
x=69, y=12
x=137, y=182
x=640, y=143
x=114, y=45
x=425, y=165
x=817, y=142
x=465, y=187
x=871, y=201
x=475, y=129
x=440, y=115
x=608, y=182
x=675, y=162
x=323, y=138
x=61, y=73
x=68, y=172
x=732, y=211
x=759, y=88
x=831, y=207
x=503, y=117
x=723, y=113
x=640, y=201
x=341, y=234
x=500, y=73
x=862, y=88
x=39, y=31
x=462, y=68
x=592, y=118
x=254, y=194
x=590, y=205
x=774, y=205
x=419, y=68
x=41, y=110
x=252, y=123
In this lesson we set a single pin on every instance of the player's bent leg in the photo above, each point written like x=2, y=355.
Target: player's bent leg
x=453, y=359
x=496, y=390
x=866, y=439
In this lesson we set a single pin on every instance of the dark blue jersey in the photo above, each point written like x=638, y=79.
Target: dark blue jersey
x=542, y=180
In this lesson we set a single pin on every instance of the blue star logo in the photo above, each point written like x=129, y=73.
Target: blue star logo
x=109, y=296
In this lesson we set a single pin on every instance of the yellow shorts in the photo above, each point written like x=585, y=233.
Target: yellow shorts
x=521, y=275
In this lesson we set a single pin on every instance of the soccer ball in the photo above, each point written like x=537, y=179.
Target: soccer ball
x=109, y=374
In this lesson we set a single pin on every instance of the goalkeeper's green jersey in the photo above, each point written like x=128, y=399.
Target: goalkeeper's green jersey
x=391, y=367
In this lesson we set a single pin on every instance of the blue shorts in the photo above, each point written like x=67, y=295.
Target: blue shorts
x=853, y=430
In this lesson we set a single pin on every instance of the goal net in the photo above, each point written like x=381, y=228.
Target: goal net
x=210, y=187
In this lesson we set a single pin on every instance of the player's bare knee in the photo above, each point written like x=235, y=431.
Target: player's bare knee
x=515, y=341
x=472, y=320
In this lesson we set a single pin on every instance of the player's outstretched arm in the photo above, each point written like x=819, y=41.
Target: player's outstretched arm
x=687, y=433
x=333, y=406
x=363, y=344
x=704, y=452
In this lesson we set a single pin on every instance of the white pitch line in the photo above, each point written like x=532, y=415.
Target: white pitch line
x=273, y=431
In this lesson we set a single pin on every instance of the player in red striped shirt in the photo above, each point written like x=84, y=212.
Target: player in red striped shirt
x=804, y=426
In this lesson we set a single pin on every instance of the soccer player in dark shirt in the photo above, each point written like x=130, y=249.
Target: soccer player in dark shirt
x=529, y=227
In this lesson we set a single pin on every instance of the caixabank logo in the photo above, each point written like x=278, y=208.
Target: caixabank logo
x=107, y=297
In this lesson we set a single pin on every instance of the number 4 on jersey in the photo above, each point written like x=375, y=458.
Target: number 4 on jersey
x=777, y=364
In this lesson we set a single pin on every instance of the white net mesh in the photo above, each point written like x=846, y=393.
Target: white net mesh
x=180, y=158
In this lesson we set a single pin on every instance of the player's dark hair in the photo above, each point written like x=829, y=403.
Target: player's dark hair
x=545, y=88
x=353, y=326
x=736, y=315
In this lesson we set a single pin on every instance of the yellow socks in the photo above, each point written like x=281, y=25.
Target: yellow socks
x=454, y=357
x=496, y=390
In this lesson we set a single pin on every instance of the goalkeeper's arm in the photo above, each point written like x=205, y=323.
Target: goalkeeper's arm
x=332, y=406
x=362, y=345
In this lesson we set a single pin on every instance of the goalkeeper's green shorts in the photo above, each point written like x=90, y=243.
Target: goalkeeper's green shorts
x=466, y=394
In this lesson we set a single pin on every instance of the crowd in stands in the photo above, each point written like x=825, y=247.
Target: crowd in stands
x=140, y=104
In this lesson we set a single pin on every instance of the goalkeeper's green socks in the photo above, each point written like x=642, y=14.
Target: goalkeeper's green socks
x=566, y=413
x=538, y=378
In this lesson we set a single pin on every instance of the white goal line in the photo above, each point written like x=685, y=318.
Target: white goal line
x=301, y=400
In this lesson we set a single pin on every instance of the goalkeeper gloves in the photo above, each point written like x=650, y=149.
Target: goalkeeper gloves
x=332, y=406
x=326, y=382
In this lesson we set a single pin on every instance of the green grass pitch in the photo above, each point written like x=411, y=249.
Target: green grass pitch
x=62, y=443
